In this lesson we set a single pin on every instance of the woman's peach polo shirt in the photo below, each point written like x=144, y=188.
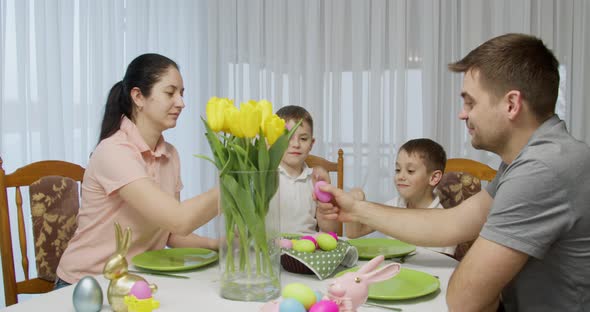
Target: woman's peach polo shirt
x=118, y=160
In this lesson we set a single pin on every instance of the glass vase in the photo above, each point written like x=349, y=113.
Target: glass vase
x=249, y=255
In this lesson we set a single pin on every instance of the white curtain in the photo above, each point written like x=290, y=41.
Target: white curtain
x=372, y=73
x=60, y=58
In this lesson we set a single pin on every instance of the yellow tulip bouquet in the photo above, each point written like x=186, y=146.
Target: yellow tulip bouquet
x=249, y=140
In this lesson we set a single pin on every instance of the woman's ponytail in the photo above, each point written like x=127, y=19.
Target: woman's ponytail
x=118, y=104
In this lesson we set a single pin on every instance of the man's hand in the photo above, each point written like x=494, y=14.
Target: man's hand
x=341, y=208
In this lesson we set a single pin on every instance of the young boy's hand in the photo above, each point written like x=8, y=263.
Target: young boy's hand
x=320, y=174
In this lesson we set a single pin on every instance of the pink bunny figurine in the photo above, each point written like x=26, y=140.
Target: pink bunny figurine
x=351, y=289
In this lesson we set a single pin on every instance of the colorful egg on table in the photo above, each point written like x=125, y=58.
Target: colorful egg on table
x=291, y=305
x=322, y=196
x=301, y=293
x=324, y=306
x=286, y=243
x=87, y=296
x=327, y=242
x=303, y=245
x=318, y=296
x=311, y=238
x=141, y=290
x=334, y=235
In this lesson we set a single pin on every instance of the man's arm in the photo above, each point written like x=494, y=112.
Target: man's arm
x=423, y=227
x=478, y=281
x=356, y=229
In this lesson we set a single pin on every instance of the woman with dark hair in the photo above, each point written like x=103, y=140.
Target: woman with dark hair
x=133, y=176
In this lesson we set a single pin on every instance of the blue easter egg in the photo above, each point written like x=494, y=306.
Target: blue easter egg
x=291, y=305
x=318, y=296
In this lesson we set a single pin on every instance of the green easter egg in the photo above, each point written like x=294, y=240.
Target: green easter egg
x=304, y=245
x=327, y=242
x=301, y=293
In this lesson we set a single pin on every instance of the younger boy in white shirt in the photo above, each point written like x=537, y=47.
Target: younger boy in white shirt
x=419, y=168
x=296, y=181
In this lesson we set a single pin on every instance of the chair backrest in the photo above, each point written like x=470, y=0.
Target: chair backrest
x=475, y=168
x=54, y=202
x=462, y=179
x=330, y=166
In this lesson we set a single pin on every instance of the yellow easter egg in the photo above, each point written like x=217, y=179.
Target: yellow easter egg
x=326, y=242
x=301, y=293
x=304, y=245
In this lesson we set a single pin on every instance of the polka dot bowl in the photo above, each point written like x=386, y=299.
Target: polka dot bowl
x=320, y=262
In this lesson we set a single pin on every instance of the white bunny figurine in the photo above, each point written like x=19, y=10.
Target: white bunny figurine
x=351, y=289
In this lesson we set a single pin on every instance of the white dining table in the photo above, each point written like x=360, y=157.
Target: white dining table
x=201, y=291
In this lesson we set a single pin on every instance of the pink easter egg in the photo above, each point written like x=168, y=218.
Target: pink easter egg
x=324, y=306
x=322, y=196
x=141, y=290
x=286, y=243
x=334, y=235
x=312, y=239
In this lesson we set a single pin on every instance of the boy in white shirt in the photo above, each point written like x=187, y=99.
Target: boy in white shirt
x=418, y=170
x=296, y=181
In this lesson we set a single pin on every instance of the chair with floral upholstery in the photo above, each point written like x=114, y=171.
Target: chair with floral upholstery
x=461, y=180
x=54, y=201
x=337, y=167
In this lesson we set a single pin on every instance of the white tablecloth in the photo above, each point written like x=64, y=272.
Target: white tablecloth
x=200, y=292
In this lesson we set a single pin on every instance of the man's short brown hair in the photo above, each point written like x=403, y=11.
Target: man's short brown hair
x=516, y=62
x=432, y=154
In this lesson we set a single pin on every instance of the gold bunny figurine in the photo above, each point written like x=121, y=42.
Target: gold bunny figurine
x=115, y=269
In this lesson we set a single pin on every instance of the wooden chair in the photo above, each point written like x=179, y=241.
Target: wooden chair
x=338, y=167
x=475, y=168
x=54, y=202
x=462, y=179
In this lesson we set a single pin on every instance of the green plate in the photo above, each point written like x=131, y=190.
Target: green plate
x=369, y=248
x=407, y=284
x=174, y=259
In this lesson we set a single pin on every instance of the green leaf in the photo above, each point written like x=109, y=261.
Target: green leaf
x=205, y=158
x=278, y=149
x=216, y=146
x=263, y=156
x=227, y=166
x=246, y=206
x=272, y=184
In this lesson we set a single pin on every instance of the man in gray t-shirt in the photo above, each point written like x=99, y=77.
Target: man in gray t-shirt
x=540, y=208
x=531, y=225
